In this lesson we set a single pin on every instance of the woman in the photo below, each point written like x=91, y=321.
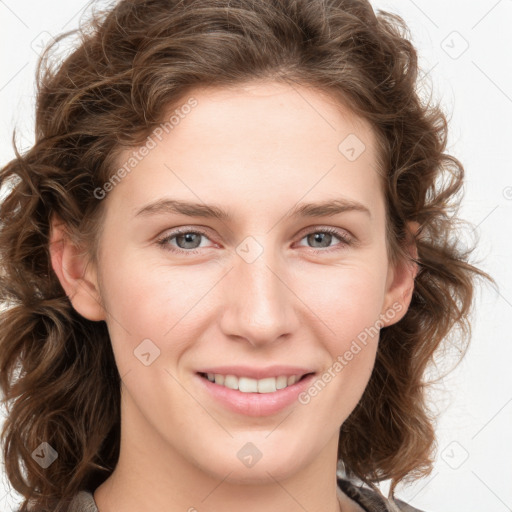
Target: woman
x=175, y=339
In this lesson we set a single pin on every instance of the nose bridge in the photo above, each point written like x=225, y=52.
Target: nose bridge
x=259, y=307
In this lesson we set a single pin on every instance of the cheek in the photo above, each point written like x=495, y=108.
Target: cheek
x=347, y=300
x=352, y=348
x=162, y=303
x=350, y=310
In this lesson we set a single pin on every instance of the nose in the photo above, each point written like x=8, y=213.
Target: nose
x=259, y=305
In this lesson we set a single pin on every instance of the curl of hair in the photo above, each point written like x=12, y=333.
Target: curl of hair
x=136, y=60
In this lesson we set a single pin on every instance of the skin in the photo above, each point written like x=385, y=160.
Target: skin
x=256, y=151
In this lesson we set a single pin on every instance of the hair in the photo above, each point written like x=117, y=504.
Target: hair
x=135, y=59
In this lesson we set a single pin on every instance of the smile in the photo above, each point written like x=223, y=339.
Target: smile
x=248, y=385
x=270, y=400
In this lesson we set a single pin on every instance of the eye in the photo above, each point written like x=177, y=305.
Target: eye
x=324, y=236
x=189, y=240
x=186, y=239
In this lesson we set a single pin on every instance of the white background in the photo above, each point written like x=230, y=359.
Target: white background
x=473, y=469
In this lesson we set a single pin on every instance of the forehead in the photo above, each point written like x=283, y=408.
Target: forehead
x=271, y=113
x=255, y=142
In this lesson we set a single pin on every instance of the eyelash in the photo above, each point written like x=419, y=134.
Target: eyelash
x=163, y=241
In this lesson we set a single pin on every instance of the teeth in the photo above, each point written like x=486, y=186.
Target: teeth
x=281, y=382
x=247, y=385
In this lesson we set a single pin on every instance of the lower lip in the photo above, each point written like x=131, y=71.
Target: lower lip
x=256, y=404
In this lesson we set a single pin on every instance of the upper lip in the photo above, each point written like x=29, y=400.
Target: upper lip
x=257, y=373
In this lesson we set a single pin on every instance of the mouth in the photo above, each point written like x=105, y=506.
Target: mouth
x=257, y=398
x=249, y=385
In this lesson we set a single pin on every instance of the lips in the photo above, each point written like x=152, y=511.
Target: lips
x=256, y=404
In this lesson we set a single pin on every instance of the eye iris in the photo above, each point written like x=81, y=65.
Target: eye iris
x=320, y=237
x=189, y=238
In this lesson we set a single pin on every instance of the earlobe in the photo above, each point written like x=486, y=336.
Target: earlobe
x=76, y=276
x=400, y=280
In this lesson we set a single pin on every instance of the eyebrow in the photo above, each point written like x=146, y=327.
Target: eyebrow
x=191, y=209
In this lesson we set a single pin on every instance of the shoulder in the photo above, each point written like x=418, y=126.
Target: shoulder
x=83, y=501
x=370, y=500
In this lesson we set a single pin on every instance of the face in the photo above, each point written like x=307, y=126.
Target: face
x=269, y=283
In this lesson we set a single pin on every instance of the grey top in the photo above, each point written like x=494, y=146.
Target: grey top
x=83, y=502
x=366, y=498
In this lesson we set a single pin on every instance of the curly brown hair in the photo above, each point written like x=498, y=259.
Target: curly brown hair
x=57, y=369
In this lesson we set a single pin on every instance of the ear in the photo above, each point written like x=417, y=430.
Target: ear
x=76, y=275
x=400, y=281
